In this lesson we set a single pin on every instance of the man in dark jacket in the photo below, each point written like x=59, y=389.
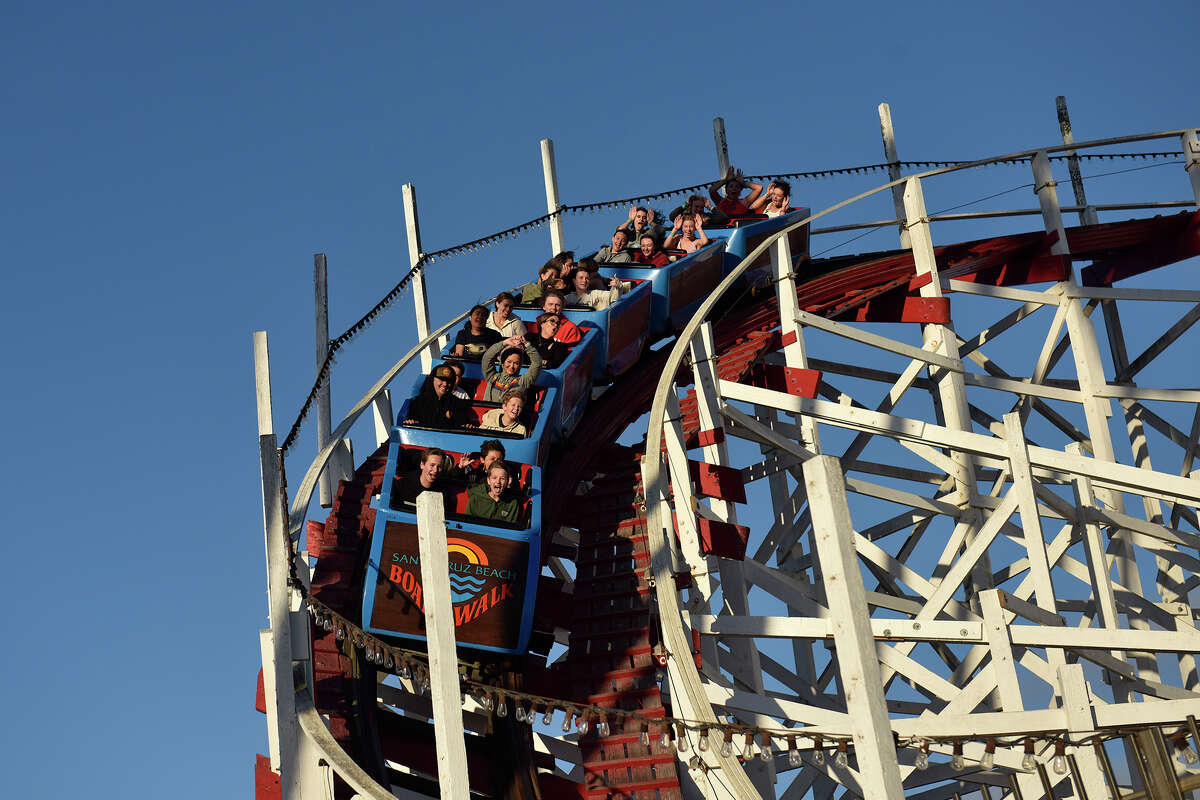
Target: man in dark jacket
x=436, y=406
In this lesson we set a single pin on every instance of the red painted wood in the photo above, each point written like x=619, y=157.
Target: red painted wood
x=896, y=307
x=266, y=782
x=315, y=537
x=1177, y=238
x=722, y=538
x=706, y=438
x=713, y=480
x=260, y=695
x=791, y=380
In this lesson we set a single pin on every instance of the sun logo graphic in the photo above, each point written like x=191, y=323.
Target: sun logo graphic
x=465, y=586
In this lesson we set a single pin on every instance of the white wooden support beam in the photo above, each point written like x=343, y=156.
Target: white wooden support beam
x=550, y=174
x=862, y=682
x=287, y=730
x=331, y=474
x=893, y=162
x=1191, y=161
x=1081, y=721
x=443, y=656
x=1092, y=385
x=1047, y=195
x=381, y=414
x=1031, y=524
x=420, y=297
x=685, y=500
x=940, y=338
x=794, y=353
x=1087, y=214
x=744, y=665
x=1097, y=560
x=722, y=146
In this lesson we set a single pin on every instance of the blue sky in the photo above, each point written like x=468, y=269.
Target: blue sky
x=169, y=170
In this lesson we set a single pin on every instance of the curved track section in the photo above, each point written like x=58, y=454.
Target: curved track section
x=631, y=573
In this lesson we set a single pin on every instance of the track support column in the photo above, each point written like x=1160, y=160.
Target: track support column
x=284, y=735
x=338, y=467
x=722, y=146
x=550, y=173
x=420, y=298
x=443, y=657
x=1191, y=161
x=893, y=162
x=853, y=637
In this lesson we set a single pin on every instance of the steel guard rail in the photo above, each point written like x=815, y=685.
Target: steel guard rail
x=654, y=479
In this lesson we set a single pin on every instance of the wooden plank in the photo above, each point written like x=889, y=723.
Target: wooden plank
x=443, y=656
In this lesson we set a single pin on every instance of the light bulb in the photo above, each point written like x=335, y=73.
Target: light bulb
x=530, y=716
x=989, y=755
x=341, y=633
x=726, y=747
x=664, y=741
x=794, y=758
x=841, y=759
x=405, y=672
x=1028, y=762
x=566, y=726
x=582, y=726
x=519, y=714
x=958, y=762
x=548, y=717
x=922, y=761
x=425, y=684
x=602, y=729
x=1059, y=765
x=644, y=737
x=703, y=743
x=748, y=746
x=681, y=741
x=818, y=756
x=694, y=762
x=502, y=708
x=764, y=754
x=488, y=702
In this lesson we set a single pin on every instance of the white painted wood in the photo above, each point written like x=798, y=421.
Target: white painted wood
x=382, y=416
x=893, y=158
x=822, y=628
x=287, y=732
x=1108, y=474
x=550, y=175
x=1044, y=187
x=332, y=472
x=685, y=502
x=722, y=146
x=262, y=384
x=857, y=660
x=875, y=340
x=1191, y=160
x=744, y=664
x=443, y=657
x=266, y=647
x=1031, y=525
x=420, y=297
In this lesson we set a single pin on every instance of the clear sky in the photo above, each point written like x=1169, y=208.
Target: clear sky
x=169, y=170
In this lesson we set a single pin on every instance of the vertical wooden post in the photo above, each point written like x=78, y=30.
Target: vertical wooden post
x=1087, y=214
x=381, y=412
x=893, y=161
x=550, y=173
x=722, y=146
x=420, y=298
x=853, y=638
x=443, y=658
x=281, y=712
x=324, y=423
x=1191, y=161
